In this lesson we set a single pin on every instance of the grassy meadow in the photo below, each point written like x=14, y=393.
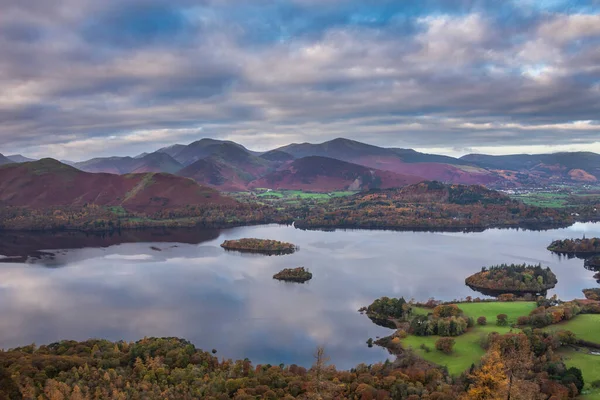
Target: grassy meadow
x=467, y=349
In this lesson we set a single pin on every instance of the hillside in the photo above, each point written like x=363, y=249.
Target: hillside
x=49, y=183
x=154, y=162
x=5, y=160
x=323, y=174
x=277, y=155
x=400, y=161
x=228, y=168
x=542, y=168
x=18, y=158
x=431, y=205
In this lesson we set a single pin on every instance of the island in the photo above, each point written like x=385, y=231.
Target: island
x=592, y=263
x=299, y=275
x=592, y=294
x=264, y=246
x=576, y=247
x=517, y=279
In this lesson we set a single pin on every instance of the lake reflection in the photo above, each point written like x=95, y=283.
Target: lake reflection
x=183, y=284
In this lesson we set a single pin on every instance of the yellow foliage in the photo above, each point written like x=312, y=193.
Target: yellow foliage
x=490, y=381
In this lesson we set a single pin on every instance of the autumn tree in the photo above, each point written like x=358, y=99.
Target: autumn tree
x=489, y=382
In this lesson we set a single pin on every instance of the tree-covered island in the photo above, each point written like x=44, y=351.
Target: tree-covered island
x=264, y=246
x=577, y=247
x=299, y=275
x=518, y=279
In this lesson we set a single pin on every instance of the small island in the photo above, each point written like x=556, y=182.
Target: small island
x=592, y=263
x=592, y=294
x=299, y=275
x=263, y=246
x=576, y=247
x=518, y=279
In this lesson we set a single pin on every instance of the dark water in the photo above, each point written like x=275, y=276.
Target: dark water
x=181, y=283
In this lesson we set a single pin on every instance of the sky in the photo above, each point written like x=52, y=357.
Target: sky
x=85, y=78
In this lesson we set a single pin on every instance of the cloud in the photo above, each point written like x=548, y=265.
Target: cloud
x=430, y=74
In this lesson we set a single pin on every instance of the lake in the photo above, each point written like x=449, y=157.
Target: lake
x=181, y=283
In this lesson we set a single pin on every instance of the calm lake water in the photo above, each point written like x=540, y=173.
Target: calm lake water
x=181, y=283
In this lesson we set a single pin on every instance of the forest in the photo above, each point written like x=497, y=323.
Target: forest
x=513, y=278
x=170, y=368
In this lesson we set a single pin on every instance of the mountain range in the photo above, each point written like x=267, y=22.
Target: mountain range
x=342, y=164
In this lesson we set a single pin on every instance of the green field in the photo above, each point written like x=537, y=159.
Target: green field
x=590, y=367
x=467, y=349
x=556, y=200
x=585, y=326
x=553, y=200
x=295, y=195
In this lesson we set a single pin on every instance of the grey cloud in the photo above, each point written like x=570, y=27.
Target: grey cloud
x=435, y=86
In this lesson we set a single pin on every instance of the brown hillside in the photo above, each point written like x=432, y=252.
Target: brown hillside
x=49, y=183
x=323, y=174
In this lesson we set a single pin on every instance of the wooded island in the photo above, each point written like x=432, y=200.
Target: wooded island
x=514, y=278
x=299, y=275
x=264, y=246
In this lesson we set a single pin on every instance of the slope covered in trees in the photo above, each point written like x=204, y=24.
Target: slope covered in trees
x=431, y=205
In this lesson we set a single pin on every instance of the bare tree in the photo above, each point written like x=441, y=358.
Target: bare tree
x=321, y=359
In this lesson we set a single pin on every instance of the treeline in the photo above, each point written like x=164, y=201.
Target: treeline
x=545, y=316
x=171, y=368
x=100, y=218
x=513, y=278
x=576, y=246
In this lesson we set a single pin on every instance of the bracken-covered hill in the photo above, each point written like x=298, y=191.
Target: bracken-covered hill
x=49, y=183
x=323, y=174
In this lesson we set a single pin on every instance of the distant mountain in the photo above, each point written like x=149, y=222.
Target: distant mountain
x=575, y=166
x=401, y=161
x=154, y=162
x=277, y=155
x=48, y=183
x=200, y=149
x=18, y=158
x=323, y=174
x=413, y=156
x=5, y=160
x=229, y=168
